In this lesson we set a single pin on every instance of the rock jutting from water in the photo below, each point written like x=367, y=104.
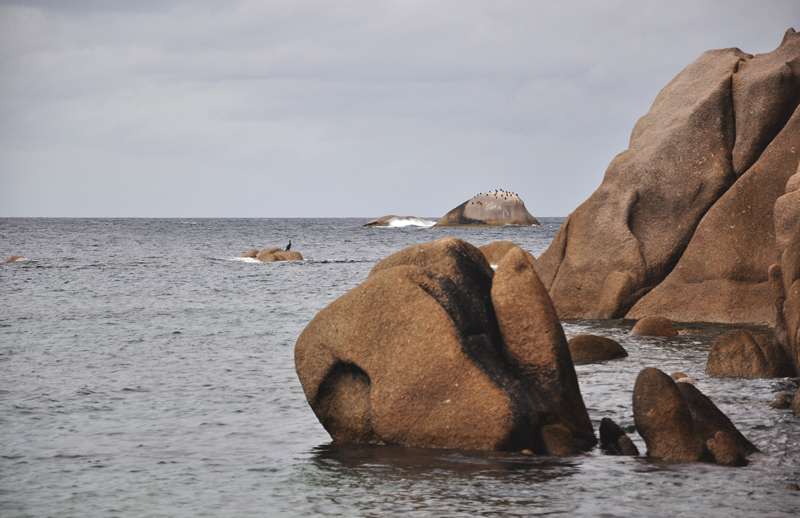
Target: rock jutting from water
x=593, y=349
x=14, y=259
x=490, y=209
x=398, y=221
x=271, y=255
x=435, y=349
x=743, y=354
x=679, y=423
x=684, y=223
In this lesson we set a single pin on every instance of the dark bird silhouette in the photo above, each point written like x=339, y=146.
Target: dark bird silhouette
x=289, y=246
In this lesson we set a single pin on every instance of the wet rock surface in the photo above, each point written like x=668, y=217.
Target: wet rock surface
x=744, y=354
x=594, y=348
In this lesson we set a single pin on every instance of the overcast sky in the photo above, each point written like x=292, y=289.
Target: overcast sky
x=112, y=108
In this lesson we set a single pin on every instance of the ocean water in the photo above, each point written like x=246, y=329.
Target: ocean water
x=145, y=371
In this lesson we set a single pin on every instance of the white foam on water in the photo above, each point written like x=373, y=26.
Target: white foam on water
x=410, y=222
x=244, y=259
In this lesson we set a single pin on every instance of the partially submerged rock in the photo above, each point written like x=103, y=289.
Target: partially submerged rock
x=398, y=221
x=743, y=354
x=654, y=325
x=13, y=259
x=270, y=255
x=496, y=250
x=614, y=440
x=491, y=209
x=677, y=422
x=434, y=349
x=594, y=349
x=250, y=255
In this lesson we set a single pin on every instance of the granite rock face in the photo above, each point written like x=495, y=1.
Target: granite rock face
x=436, y=350
x=491, y=209
x=744, y=354
x=654, y=325
x=496, y=250
x=682, y=225
x=594, y=349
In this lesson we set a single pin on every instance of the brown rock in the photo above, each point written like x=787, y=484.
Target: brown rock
x=268, y=255
x=782, y=402
x=663, y=418
x=796, y=403
x=593, y=349
x=251, y=254
x=654, y=325
x=494, y=209
x=724, y=450
x=744, y=354
x=614, y=440
x=289, y=256
x=708, y=419
x=557, y=440
x=690, y=332
x=415, y=356
x=677, y=375
x=496, y=250
x=13, y=259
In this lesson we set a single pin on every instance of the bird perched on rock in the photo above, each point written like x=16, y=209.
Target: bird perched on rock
x=289, y=246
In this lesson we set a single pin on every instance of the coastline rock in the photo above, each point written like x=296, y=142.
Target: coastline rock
x=13, y=259
x=682, y=223
x=398, y=221
x=614, y=440
x=271, y=255
x=593, y=349
x=743, y=354
x=496, y=250
x=251, y=254
x=434, y=349
x=654, y=325
x=677, y=422
x=491, y=209
x=663, y=418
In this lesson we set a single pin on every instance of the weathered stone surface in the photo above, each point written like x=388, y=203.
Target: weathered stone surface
x=289, y=256
x=724, y=450
x=493, y=209
x=663, y=418
x=743, y=354
x=796, y=403
x=687, y=209
x=251, y=254
x=708, y=419
x=436, y=350
x=558, y=440
x=782, y=402
x=495, y=251
x=13, y=259
x=268, y=255
x=614, y=440
x=593, y=349
x=654, y=325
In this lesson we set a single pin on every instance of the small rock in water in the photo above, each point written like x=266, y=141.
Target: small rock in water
x=678, y=375
x=654, y=325
x=793, y=487
x=782, y=402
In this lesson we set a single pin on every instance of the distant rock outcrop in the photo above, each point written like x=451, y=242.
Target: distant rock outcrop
x=435, y=349
x=270, y=255
x=398, y=221
x=682, y=225
x=491, y=209
x=13, y=259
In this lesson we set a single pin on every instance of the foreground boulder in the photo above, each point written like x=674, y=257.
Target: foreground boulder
x=744, y=354
x=491, y=209
x=677, y=422
x=593, y=349
x=682, y=223
x=496, y=250
x=435, y=349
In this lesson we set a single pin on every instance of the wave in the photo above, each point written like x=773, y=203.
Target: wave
x=410, y=221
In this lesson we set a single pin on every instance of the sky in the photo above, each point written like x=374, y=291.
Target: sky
x=112, y=108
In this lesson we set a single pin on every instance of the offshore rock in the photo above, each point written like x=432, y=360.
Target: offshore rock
x=594, y=349
x=744, y=354
x=436, y=350
x=250, y=255
x=398, y=221
x=495, y=251
x=13, y=259
x=491, y=209
x=682, y=224
x=271, y=255
x=677, y=421
x=614, y=440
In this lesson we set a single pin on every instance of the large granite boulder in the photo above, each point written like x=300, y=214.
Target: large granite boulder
x=491, y=209
x=679, y=423
x=743, y=354
x=593, y=349
x=496, y=250
x=682, y=223
x=435, y=349
x=785, y=274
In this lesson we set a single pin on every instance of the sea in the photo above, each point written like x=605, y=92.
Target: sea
x=146, y=371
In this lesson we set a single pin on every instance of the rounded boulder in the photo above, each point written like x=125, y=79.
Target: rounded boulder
x=593, y=349
x=654, y=325
x=744, y=354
